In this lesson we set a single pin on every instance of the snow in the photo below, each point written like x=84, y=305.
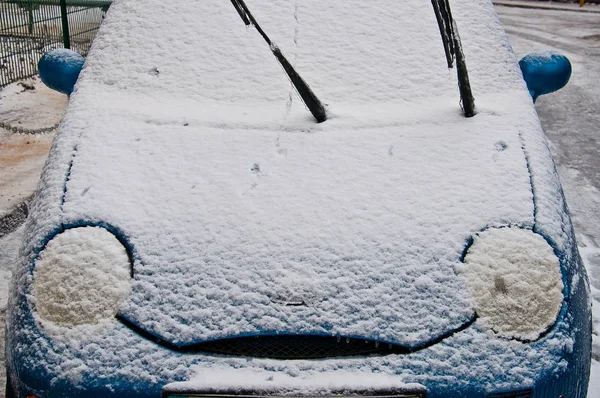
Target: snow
x=61, y=55
x=590, y=256
x=321, y=222
x=346, y=215
x=8, y=258
x=25, y=105
x=515, y=280
x=594, y=388
x=232, y=380
x=80, y=278
x=550, y=5
x=30, y=105
x=331, y=217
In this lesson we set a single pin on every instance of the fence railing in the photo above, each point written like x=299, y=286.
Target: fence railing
x=30, y=28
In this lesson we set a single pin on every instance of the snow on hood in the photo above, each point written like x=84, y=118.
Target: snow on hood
x=237, y=204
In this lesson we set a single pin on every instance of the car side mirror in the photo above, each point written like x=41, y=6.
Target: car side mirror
x=545, y=72
x=60, y=68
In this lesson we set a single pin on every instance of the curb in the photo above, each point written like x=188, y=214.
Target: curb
x=544, y=7
x=15, y=217
x=21, y=130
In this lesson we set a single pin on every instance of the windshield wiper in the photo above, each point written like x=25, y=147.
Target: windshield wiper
x=308, y=96
x=453, y=48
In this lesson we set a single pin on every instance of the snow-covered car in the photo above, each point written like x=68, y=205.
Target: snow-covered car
x=197, y=233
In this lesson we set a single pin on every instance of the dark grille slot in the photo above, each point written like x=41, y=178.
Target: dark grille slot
x=512, y=394
x=293, y=346
x=298, y=347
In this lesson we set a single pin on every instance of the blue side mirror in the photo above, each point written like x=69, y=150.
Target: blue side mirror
x=545, y=72
x=59, y=69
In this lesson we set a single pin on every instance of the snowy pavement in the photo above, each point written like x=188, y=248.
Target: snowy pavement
x=28, y=106
x=543, y=5
x=570, y=119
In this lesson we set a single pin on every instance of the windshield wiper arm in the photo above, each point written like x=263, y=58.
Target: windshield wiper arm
x=453, y=48
x=312, y=102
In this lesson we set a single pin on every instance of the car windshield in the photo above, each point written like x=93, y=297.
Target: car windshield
x=360, y=58
x=308, y=96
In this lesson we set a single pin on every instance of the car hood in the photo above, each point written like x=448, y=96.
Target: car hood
x=244, y=216
x=335, y=231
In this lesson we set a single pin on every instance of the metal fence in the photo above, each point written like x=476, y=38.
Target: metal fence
x=30, y=28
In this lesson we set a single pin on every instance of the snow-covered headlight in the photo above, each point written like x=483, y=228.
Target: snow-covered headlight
x=515, y=282
x=80, y=277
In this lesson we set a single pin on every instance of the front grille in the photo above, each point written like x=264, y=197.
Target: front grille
x=512, y=394
x=292, y=346
x=299, y=347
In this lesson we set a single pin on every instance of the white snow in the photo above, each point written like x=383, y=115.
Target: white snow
x=331, y=217
x=9, y=245
x=235, y=201
x=80, y=278
x=63, y=55
x=231, y=380
x=29, y=104
x=594, y=388
x=23, y=155
x=515, y=281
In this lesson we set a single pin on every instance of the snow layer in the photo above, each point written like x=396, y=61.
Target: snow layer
x=80, y=277
x=31, y=105
x=231, y=380
x=364, y=238
x=515, y=280
x=235, y=202
x=8, y=258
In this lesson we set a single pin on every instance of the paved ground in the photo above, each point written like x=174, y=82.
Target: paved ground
x=30, y=106
x=548, y=5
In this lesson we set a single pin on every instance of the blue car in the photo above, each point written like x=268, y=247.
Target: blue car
x=300, y=199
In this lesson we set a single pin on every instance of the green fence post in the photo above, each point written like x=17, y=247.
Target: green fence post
x=30, y=14
x=65, y=24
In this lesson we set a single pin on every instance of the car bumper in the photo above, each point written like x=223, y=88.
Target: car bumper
x=471, y=363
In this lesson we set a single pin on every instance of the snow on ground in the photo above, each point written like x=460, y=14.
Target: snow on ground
x=550, y=5
x=27, y=105
x=21, y=160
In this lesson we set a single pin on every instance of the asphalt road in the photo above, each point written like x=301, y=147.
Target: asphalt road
x=570, y=117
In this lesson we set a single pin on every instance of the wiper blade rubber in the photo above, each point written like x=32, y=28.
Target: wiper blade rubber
x=453, y=49
x=312, y=102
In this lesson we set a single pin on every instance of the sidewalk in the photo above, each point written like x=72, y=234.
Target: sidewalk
x=543, y=5
x=24, y=107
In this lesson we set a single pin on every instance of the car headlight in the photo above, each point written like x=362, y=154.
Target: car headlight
x=515, y=282
x=80, y=277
